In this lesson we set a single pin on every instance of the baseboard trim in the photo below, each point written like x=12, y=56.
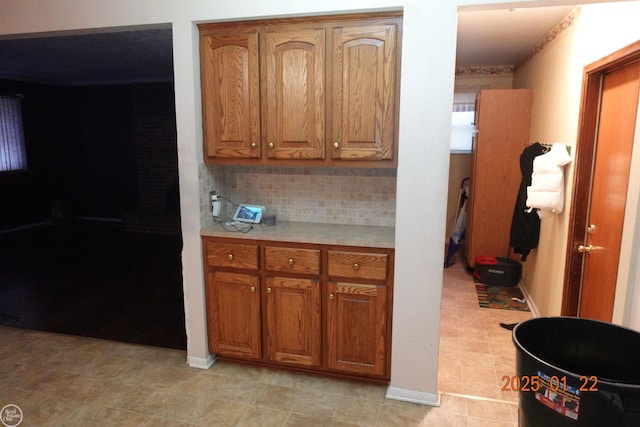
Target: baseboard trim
x=22, y=227
x=98, y=219
x=530, y=303
x=413, y=396
x=201, y=362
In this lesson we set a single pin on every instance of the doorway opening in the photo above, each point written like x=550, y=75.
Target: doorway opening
x=90, y=239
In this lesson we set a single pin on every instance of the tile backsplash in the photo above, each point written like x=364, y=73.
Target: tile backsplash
x=324, y=195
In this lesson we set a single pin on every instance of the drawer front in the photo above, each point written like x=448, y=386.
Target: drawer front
x=358, y=265
x=232, y=255
x=295, y=260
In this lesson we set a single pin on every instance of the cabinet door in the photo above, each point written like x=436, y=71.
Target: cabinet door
x=357, y=328
x=230, y=94
x=363, y=92
x=293, y=321
x=233, y=312
x=293, y=107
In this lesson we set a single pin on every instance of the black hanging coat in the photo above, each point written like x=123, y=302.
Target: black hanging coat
x=525, y=226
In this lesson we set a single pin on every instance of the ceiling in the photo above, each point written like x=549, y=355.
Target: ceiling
x=490, y=38
x=112, y=57
x=504, y=36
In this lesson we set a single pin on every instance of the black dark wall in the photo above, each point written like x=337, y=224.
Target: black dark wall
x=81, y=150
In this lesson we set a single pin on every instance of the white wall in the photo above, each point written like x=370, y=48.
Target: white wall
x=428, y=56
x=555, y=75
x=628, y=309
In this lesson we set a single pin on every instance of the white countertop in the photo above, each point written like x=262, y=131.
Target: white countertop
x=309, y=232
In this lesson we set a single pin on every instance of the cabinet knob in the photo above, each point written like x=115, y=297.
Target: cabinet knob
x=291, y=261
x=268, y=290
x=356, y=266
x=253, y=145
x=230, y=257
x=252, y=289
x=331, y=296
x=336, y=145
x=272, y=144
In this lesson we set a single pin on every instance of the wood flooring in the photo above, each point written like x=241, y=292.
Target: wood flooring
x=94, y=281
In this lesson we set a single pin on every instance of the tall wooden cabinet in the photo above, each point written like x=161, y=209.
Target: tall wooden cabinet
x=503, y=119
x=319, y=91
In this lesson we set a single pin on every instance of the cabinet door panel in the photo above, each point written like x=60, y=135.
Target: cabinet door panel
x=293, y=321
x=230, y=94
x=294, y=93
x=233, y=308
x=363, y=95
x=357, y=325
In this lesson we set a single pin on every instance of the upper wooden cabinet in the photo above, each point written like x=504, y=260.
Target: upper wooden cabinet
x=302, y=92
x=364, y=92
x=230, y=93
x=294, y=76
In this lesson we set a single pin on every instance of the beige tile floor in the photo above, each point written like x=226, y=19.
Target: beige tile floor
x=60, y=380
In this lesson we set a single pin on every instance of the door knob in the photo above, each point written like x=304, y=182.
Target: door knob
x=585, y=249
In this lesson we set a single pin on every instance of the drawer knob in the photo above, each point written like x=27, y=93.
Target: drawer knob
x=252, y=289
x=268, y=290
x=336, y=145
x=253, y=145
x=331, y=296
x=272, y=144
x=356, y=266
x=230, y=257
x=291, y=261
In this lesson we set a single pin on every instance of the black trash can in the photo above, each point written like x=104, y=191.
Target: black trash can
x=576, y=372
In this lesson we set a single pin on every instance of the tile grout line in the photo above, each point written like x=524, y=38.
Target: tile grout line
x=480, y=398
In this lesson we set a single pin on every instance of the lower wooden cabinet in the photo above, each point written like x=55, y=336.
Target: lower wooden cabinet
x=357, y=328
x=233, y=302
x=308, y=307
x=293, y=331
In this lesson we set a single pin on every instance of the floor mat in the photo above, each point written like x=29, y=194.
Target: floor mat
x=501, y=297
